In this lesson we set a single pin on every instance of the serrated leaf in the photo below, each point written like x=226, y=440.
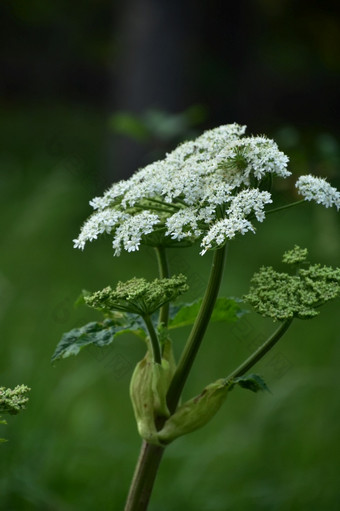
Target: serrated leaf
x=252, y=382
x=97, y=333
x=226, y=309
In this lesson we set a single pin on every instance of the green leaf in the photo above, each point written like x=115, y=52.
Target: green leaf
x=98, y=333
x=226, y=309
x=125, y=123
x=252, y=382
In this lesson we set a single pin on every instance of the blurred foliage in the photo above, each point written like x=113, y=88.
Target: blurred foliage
x=157, y=125
x=75, y=446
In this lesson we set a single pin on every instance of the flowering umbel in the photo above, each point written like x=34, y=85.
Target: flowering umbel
x=208, y=189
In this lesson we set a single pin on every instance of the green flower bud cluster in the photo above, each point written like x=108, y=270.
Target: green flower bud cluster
x=295, y=256
x=282, y=296
x=138, y=296
x=13, y=400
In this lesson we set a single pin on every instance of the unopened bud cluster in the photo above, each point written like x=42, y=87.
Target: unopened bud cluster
x=13, y=400
x=283, y=296
x=138, y=296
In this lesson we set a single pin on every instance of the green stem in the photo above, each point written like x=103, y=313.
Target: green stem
x=198, y=330
x=261, y=351
x=151, y=455
x=153, y=208
x=144, y=477
x=163, y=269
x=168, y=205
x=286, y=206
x=156, y=350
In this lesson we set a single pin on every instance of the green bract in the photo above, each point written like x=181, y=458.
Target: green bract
x=138, y=296
x=283, y=296
x=148, y=388
x=195, y=413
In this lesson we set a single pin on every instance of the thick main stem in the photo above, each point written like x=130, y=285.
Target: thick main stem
x=198, y=330
x=261, y=351
x=144, y=477
x=151, y=455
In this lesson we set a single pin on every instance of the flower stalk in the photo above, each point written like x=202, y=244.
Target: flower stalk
x=261, y=351
x=151, y=455
x=163, y=270
x=198, y=329
x=156, y=350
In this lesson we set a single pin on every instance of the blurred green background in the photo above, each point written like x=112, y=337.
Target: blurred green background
x=75, y=446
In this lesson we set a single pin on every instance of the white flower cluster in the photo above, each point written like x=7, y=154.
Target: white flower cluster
x=205, y=189
x=103, y=221
x=242, y=205
x=319, y=190
x=130, y=233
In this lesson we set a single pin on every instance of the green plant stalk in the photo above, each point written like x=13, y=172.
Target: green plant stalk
x=151, y=455
x=156, y=349
x=286, y=206
x=163, y=269
x=261, y=351
x=144, y=477
x=198, y=330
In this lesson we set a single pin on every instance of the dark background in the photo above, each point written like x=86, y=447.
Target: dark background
x=90, y=91
x=261, y=63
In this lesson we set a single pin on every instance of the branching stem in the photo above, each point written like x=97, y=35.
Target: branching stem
x=150, y=455
x=261, y=351
x=198, y=330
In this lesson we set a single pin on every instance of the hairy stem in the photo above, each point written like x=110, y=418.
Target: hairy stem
x=144, y=477
x=163, y=269
x=198, y=330
x=261, y=351
x=156, y=350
